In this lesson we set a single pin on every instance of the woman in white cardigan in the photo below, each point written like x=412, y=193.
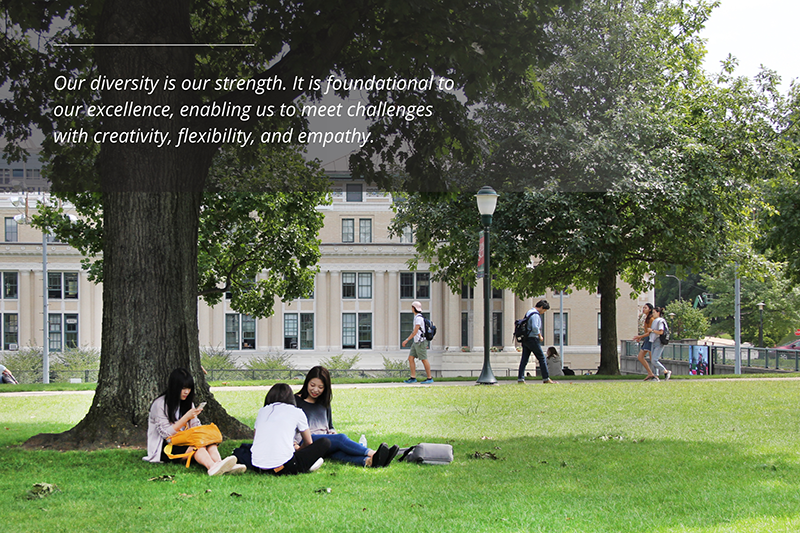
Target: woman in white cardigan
x=175, y=411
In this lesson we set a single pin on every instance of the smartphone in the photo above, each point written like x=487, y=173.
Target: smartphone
x=202, y=405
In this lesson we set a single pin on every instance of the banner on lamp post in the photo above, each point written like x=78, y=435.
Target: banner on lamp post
x=480, y=256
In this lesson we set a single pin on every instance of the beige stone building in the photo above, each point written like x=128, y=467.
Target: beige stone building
x=361, y=303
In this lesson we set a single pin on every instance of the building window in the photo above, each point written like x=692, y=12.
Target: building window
x=364, y=291
x=348, y=330
x=415, y=285
x=497, y=294
x=407, y=236
x=348, y=285
x=357, y=330
x=365, y=285
x=497, y=329
x=298, y=331
x=354, y=192
x=560, y=328
x=62, y=331
x=10, y=285
x=33, y=173
x=62, y=285
x=240, y=332
x=365, y=331
x=365, y=230
x=407, y=326
x=348, y=230
x=11, y=230
x=464, y=329
x=467, y=292
x=10, y=331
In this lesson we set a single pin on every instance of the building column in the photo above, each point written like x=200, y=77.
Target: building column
x=509, y=316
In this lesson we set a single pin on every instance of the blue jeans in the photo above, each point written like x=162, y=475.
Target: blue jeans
x=531, y=344
x=343, y=449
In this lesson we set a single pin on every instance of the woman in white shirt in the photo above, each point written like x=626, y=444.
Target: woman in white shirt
x=273, y=450
x=658, y=327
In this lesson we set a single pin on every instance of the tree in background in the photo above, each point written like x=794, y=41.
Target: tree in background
x=780, y=296
x=684, y=321
x=152, y=197
x=637, y=161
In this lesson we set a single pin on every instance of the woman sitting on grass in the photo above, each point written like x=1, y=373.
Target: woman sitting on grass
x=315, y=401
x=174, y=411
x=274, y=451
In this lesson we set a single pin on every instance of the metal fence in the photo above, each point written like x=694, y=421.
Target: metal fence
x=766, y=358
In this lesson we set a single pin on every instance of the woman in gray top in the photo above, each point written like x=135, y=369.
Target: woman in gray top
x=315, y=401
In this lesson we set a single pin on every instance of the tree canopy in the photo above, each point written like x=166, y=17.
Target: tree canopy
x=153, y=195
x=637, y=160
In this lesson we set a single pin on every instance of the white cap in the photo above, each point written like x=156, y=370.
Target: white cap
x=417, y=306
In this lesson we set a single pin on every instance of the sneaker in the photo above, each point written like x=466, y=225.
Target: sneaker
x=392, y=454
x=223, y=466
x=520, y=382
x=427, y=381
x=410, y=380
x=655, y=378
x=237, y=469
x=381, y=455
x=316, y=465
x=549, y=381
x=667, y=375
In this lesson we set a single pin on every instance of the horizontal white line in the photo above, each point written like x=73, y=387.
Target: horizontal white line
x=151, y=44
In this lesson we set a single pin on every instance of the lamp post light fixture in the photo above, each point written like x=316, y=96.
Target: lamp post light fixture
x=760, y=324
x=487, y=201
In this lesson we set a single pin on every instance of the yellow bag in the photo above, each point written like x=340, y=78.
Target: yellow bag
x=194, y=438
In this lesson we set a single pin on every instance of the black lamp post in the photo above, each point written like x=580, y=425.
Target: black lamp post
x=487, y=201
x=760, y=324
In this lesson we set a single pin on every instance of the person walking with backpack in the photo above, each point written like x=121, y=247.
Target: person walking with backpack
x=657, y=328
x=533, y=342
x=419, y=346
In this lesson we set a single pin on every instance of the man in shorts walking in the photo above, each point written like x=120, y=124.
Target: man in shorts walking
x=419, y=346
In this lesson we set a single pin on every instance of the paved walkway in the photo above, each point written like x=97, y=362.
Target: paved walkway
x=401, y=384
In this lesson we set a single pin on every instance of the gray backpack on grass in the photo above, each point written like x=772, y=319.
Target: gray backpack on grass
x=427, y=454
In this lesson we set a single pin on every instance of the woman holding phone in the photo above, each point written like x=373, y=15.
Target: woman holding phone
x=175, y=411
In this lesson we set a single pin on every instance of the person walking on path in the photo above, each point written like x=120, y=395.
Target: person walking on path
x=657, y=328
x=647, y=346
x=419, y=346
x=533, y=342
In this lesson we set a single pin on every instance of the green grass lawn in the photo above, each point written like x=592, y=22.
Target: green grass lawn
x=612, y=456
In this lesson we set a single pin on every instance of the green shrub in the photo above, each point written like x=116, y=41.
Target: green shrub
x=25, y=364
x=219, y=362
x=73, y=363
x=395, y=367
x=339, y=362
x=271, y=366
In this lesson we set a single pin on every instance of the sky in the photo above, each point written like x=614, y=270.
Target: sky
x=756, y=33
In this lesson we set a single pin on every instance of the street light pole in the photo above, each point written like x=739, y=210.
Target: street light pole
x=760, y=324
x=680, y=294
x=487, y=201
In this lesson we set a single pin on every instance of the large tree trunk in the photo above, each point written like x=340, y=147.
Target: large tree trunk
x=607, y=287
x=151, y=204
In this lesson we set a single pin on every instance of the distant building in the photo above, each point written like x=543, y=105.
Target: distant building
x=361, y=301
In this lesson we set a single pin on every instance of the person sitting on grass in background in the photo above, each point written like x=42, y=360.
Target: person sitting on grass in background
x=314, y=399
x=175, y=411
x=419, y=346
x=554, y=362
x=6, y=376
x=274, y=451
